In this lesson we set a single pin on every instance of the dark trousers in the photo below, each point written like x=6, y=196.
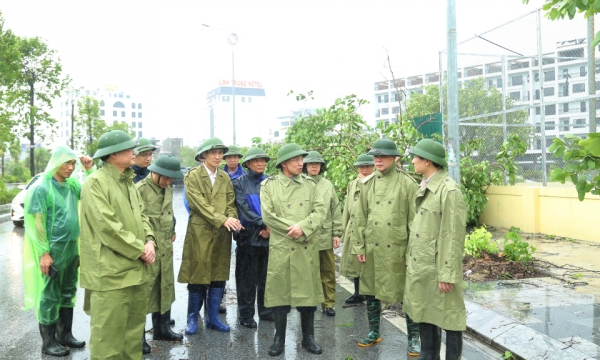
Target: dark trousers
x=250, y=279
x=285, y=309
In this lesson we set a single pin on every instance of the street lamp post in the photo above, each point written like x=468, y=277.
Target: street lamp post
x=232, y=39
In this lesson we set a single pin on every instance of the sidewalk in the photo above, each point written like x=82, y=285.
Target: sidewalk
x=557, y=317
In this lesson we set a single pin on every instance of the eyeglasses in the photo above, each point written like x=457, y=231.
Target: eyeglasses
x=144, y=155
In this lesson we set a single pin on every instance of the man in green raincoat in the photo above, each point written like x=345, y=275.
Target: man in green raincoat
x=143, y=158
x=117, y=244
x=349, y=264
x=434, y=291
x=51, y=249
x=383, y=216
x=207, y=246
x=328, y=237
x=158, y=198
x=293, y=211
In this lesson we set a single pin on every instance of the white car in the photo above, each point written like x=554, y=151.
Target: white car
x=18, y=206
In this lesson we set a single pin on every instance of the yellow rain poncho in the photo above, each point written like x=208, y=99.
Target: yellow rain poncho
x=52, y=226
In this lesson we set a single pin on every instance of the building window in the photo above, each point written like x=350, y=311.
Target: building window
x=517, y=80
x=122, y=113
x=579, y=123
x=378, y=113
x=102, y=112
x=67, y=133
x=127, y=96
x=565, y=107
x=118, y=104
x=139, y=124
x=114, y=112
x=550, y=125
x=133, y=124
x=499, y=83
x=87, y=92
x=536, y=77
x=563, y=90
x=249, y=99
x=395, y=109
x=139, y=106
x=385, y=111
x=583, y=106
x=133, y=114
x=578, y=88
x=549, y=91
x=276, y=133
x=564, y=124
x=243, y=99
x=549, y=141
x=582, y=70
x=515, y=95
x=386, y=98
x=537, y=94
x=133, y=105
x=550, y=109
x=549, y=75
x=537, y=110
x=140, y=134
x=101, y=102
x=139, y=115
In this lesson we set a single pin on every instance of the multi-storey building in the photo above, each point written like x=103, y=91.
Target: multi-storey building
x=283, y=123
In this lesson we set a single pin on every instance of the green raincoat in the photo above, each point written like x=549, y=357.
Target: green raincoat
x=349, y=265
x=332, y=226
x=159, y=208
x=52, y=226
x=435, y=255
x=384, y=212
x=114, y=229
x=207, y=246
x=293, y=275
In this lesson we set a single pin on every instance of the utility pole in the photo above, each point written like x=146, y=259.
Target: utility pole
x=453, y=133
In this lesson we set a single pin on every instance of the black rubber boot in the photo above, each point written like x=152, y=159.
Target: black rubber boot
x=49, y=344
x=356, y=297
x=162, y=330
x=280, y=319
x=172, y=322
x=146, y=349
x=307, y=319
x=414, y=349
x=454, y=342
x=431, y=341
x=63, y=329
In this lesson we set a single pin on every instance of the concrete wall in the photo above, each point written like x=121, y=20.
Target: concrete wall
x=547, y=210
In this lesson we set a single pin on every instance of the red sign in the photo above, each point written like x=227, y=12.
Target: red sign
x=241, y=83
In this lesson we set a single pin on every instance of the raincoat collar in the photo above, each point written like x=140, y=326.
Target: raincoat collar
x=115, y=173
x=157, y=189
x=140, y=171
x=438, y=178
x=256, y=176
x=237, y=173
x=286, y=181
x=389, y=170
x=316, y=178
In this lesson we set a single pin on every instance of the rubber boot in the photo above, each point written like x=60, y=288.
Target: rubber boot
x=162, y=330
x=63, y=329
x=307, y=319
x=431, y=341
x=412, y=328
x=49, y=344
x=374, y=316
x=454, y=342
x=222, y=307
x=280, y=319
x=194, y=304
x=213, y=300
x=146, y=349
x=356, y=297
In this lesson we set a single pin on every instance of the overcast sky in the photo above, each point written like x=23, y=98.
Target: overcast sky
x=161, y=51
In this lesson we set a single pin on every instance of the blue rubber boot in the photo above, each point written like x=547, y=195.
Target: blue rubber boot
x=213, y=301
x=194, y=303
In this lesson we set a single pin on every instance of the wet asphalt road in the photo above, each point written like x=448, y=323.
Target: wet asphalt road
x=20, y=339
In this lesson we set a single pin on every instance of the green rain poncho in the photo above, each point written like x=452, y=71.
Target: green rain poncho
x=52, y=226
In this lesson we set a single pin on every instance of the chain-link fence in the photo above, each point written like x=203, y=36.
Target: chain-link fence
x=530, y=77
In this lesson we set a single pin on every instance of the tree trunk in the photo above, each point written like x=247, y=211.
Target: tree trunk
x=31, y=133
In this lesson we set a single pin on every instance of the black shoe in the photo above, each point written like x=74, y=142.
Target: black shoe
x=222, y=309
x=267, y=317
x=355, y=299
x=308, y=333
x=279, y=341
x=63, y=329
x=162, y=330
x=249, y=323
x=49, y=344
x=172, y=322
x=146, y=349
x=329, y=311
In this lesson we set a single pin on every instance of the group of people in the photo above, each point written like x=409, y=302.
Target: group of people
x=403, y=242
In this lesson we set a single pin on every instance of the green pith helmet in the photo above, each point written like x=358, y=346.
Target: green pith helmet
x=314, y=157
x=430, y=150
x=233, y=150
x=167, y=165
x=112, y=142
x=384, y=147
x=255, y=153
x=364, y=160
x=210, y=144
x=287, y=152
x=144, y=144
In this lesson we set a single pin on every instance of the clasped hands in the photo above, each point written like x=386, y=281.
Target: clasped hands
x=149, y=255
x=233, y=224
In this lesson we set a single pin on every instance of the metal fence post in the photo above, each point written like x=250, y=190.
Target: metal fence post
x=504, y=86
x=542, y=108
x=591, y=73
x=453, y=133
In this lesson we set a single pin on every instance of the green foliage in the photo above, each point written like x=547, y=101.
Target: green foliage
x=271, y=150
x=88, y=126
x=508, y=355
x=516, y=249
x=6, y=195
x=577, y=276
x=477, y=176
x=582, y=162
x=41, y=159
x=10, y=63
x=187, y=156
x=558, y=9
x=478, y=241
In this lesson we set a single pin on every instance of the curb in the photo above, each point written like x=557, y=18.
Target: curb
x=5, y=218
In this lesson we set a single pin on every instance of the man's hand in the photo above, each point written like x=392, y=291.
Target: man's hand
x=86, y=161
x=148, y=256
x=45, y=263
x=173, y=237
x=336, y=242
x=361, y=258
x=232, y=224
x=265, y=233
x=445, y=287
x=295, y=231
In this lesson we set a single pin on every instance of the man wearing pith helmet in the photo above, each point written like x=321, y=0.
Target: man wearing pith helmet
x=384, y=211
x=143, y=158
x=433, y=295
x=328, y=237
x=293, y=211
x=117, y=244
x=158, y=197
x=207, y=244
x=252, y=250
x=232, y=162
x=349, y=264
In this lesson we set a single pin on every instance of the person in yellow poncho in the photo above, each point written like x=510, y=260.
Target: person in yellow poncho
x=51, y=249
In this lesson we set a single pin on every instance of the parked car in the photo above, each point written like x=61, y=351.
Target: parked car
x=18, y=205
